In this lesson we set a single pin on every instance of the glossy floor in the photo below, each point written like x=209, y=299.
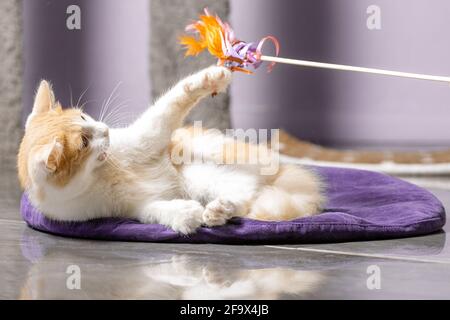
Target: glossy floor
x=35, y=265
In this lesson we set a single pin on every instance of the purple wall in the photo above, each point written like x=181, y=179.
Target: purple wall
x=338, y=107
x=112, y=47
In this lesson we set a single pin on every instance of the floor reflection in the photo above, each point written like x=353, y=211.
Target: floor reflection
x=136, y=270
x=111, y=274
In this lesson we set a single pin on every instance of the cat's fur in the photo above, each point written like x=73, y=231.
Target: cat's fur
x=75, y=168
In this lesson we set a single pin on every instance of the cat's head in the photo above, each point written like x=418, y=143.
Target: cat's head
x=59, y=144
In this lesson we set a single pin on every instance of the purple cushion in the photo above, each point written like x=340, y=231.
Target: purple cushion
x=362, y=205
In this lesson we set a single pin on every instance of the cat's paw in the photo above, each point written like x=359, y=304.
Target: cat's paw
x=217, y=79
x=189, y=217
x=211, y=80
x=217, y=212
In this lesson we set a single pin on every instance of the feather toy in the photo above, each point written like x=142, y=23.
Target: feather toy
x=212, y=34
x=219, y=39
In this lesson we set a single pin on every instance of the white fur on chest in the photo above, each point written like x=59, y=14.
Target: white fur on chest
x=82, y=207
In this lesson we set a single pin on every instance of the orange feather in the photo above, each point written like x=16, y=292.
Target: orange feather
x=209, y=36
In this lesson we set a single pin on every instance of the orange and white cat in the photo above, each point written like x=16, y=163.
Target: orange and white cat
x=74, y=168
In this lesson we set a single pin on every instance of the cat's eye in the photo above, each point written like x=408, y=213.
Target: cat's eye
x=85, y=141
x=83, y=117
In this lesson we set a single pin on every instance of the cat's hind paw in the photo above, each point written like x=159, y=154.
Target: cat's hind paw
x=189, y=218
x=217, y=212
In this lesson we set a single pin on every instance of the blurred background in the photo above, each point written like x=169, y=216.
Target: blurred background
x=129, y=50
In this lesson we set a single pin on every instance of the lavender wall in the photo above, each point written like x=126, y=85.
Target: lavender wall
x=112, y=47
x=336, y=107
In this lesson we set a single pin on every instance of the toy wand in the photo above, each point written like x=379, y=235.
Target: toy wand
x=211, y=33
x=322, y=65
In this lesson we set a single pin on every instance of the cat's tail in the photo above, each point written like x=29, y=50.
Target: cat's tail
x=293, y=192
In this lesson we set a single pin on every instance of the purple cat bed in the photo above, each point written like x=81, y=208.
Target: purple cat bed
x=361, y=205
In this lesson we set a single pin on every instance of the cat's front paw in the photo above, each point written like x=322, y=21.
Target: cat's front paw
x=217, y=212
x=211, y=80
x=189, y=217
x=217, y=79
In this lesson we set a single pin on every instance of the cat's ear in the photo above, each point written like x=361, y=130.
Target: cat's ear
x=44, y=100
x=50, y=156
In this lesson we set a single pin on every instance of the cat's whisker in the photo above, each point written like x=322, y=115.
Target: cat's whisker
x=120, y=104
x=107, y=106
x=115, y=110
x=111, y=96
x=84, y=104
x=122, y=119
x=119, y=125
x=117, y=114
x=113, y=92
x=71, y=96
x=82, y=95
x=102, y=111
x=100, y=115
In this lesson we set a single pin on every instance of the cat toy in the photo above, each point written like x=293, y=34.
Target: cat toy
x=211, y=33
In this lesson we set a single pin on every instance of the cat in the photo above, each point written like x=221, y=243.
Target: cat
x=74, y=168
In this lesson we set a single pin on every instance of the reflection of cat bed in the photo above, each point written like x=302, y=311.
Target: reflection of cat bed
x=362, y=205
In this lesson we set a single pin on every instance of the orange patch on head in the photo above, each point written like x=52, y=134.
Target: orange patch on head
x=53, y=137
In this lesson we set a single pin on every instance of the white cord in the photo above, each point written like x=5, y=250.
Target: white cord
x=313, y=64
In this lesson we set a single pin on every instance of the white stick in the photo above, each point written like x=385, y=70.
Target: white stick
x=313, y=64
